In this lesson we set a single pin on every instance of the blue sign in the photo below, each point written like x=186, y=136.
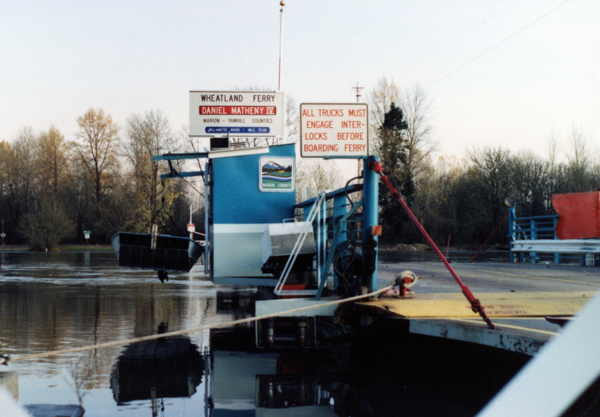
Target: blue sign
x=245, y=130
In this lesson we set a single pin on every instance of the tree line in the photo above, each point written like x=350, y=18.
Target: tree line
x=105, y=180
x=463, y=200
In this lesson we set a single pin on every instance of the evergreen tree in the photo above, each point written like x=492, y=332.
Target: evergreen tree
x=392, y=151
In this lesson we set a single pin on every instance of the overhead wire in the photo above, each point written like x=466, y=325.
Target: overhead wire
x=497, y=45
x=190, y=184
x=443, y=41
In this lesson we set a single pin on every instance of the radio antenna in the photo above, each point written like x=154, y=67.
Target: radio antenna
x=357, y=88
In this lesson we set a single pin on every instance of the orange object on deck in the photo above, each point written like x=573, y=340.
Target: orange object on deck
x=579, y=215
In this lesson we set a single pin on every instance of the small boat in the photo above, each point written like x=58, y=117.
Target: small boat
x=162, y=253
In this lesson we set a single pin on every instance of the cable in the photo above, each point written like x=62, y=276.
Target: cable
x=475, y=303
x=497, y=45
x=190, y=184
x=186, y=331
x=346, y=189
x=179, y=230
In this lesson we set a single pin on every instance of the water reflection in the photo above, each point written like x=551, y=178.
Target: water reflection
x=165, y=368
x=383, y=375
x=58, y=301
x=252, y=383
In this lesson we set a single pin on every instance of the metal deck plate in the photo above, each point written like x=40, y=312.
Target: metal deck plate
x=530, y=304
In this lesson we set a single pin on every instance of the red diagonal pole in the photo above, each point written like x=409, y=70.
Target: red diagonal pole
x=475, y=303
x=489, y=237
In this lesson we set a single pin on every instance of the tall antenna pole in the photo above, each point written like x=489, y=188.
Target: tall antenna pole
x=357, y=88
x=282, y=3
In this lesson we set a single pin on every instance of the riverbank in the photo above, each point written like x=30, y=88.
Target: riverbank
x=61, y=248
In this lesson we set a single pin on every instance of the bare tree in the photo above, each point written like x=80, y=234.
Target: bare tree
x=419, y=143
x=388, y=126
x=97, y=151
x=579, y=163
x=21, y=170
x=292, y=120
x=5, y=159
x=530, y=176
x=552, y=147
x=554, y=168
x=380, y=100
x=435, y=203
x=416, y=109
x=51, y=156
x=149, y=135
x=578, y=148
x=491, y=169
x=291, y=123
x=190, y=144
x=317, y=175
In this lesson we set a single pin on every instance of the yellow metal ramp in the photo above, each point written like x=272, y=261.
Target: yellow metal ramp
x=525, y=304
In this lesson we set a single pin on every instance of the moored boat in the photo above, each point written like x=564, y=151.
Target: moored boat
x=163, y=253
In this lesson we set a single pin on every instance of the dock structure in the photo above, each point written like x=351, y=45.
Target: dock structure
x=518, y=298
x=325, y=248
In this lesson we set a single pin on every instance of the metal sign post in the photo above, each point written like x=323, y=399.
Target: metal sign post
x=191, y=227
x=87, y=234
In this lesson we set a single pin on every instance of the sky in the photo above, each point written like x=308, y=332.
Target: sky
x=507, y=73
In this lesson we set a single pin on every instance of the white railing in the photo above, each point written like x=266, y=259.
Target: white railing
x=318, y=212
x=575, y=246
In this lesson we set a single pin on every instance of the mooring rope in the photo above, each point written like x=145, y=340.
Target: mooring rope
x=194, y=330
x=475, y=303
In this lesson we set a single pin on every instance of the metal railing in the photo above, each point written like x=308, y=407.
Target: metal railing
x=533, y=228
x=335, y=220
x=534, y=239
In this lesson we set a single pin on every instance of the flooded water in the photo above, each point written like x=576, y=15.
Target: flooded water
x=62, y=300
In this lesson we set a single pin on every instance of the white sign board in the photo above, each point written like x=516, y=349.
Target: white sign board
x=334, y=130
x=237, y=113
